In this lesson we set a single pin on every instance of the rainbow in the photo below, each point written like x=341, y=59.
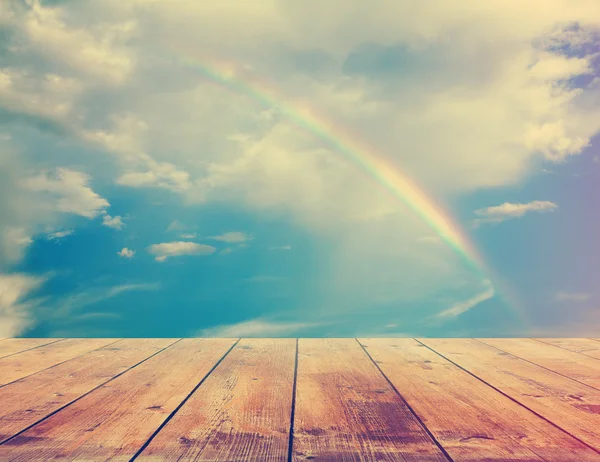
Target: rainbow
x=238, y=80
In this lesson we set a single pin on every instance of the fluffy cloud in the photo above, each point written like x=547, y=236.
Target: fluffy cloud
x=70, y=190
x=14, y=309
x=233, y=237
x=508, y=211
x=174, y=249
x=115, y=222
x=126, y=253
x=91, y=51
x=460, y=98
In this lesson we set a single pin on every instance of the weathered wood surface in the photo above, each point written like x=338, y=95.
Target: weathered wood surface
x=584, y=346
x=28, y=400
x=29, y=362
x=346, y=410
x=573, y=407
x=242, y=411
x=471, y=420
x=567, y=363
x=295, y=400
x=12, y=346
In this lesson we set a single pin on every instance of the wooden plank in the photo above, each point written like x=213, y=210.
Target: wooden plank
x=241, y=412
x=346, y=410
x=26, y=401
x=570, y=405
x=573, y=365
x=29, y=362
x=471, y=420
x=13, y=346
x=115, y=420
x=584, y=346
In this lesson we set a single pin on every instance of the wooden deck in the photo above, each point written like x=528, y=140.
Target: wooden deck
x=307, y=399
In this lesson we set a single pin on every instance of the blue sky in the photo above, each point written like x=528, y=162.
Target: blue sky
x=140, y=198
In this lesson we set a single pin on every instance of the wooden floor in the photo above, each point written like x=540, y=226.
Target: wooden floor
x=306, y=399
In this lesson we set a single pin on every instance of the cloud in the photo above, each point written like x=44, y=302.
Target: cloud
x=176, y=226
x=577, y=297
x=63, y=307
x=115, y=222
x=256, y=328
x=281, y=247
x=233, y=237
x=188, y=236
x=57, y=235
x=464, y=306
x=93, y=51
x=509, y=210
x=107, y=79
x=126, y=253
x=70, y=190
x=174, y=249
x=14, y=309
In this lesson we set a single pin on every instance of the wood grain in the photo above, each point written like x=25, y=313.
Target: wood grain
x=29, y=362
x=347, y=411
x=570, y=405
x=13, y=346
x=26, y=401
x=573, y=365
x=126, y=411
x=471, y=420
x=584, y=346
x=240, y=413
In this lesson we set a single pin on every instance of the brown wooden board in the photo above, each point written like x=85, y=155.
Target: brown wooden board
x=115, y=420
x=241, y=412
x=471, y=420
x=29, y=362
x=13, y=346
x=584, y=346
x=346, y=410
x=568, y=404
x=26, y=401
x=573, y=365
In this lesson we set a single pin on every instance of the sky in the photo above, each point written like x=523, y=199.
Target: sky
x=282, y=168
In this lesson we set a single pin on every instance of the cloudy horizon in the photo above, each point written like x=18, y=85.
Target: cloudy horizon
x=189, y=168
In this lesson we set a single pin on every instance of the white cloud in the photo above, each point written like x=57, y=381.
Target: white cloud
x=71, y=192
x=461, y=98
x=509, y=210
x=256, y=328
x=177, y=226
x=577, y=297
x=188, y=236
x=115, y=222
x=14, y=310
x=233, y=237
x=281, y=247
x=126, y=253
x=174, y=249
x=464, y=306
x=57, y=235
x=91, y=51
x=64, y=307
